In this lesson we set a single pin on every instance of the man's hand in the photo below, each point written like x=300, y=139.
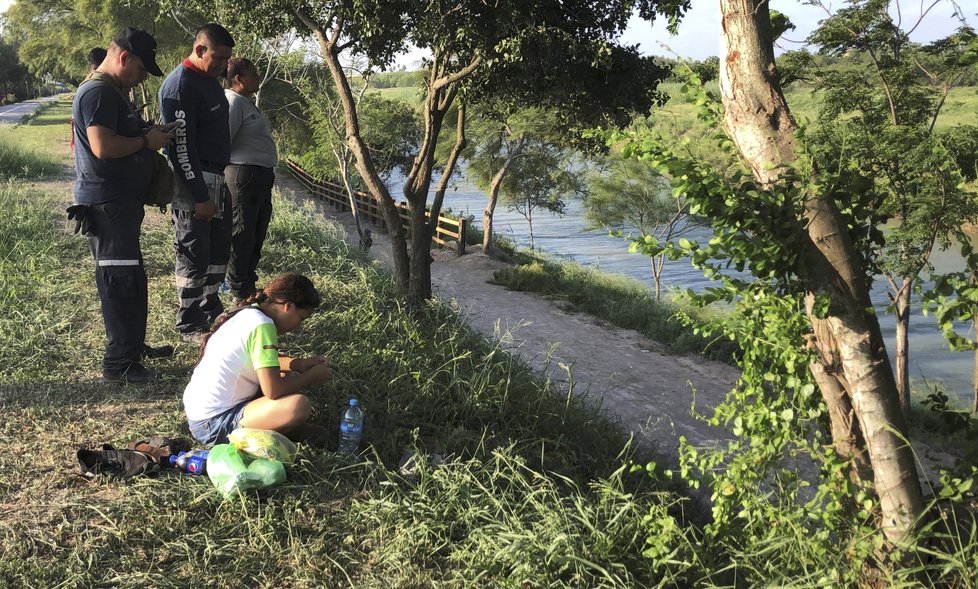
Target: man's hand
x=205, y=211
x=158, y=137
x=79, y=214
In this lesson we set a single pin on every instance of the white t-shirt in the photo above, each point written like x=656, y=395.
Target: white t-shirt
x=228, y=373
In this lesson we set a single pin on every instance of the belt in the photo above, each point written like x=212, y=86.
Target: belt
x=212, y=167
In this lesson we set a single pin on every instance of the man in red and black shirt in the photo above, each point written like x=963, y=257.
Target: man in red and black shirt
x=192, y=97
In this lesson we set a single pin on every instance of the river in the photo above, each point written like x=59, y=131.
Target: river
x=568, y=237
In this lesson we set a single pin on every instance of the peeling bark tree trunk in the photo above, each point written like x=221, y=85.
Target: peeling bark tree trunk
x=441, y=93
x=327, y=41
x=848, y=340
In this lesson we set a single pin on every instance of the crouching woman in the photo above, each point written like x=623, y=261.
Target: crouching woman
x=241, y=380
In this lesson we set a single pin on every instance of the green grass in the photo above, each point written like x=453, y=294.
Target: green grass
x=536, y=492
x=20, y=156
x=536, y=489
x=410, y=95
x=960, y=108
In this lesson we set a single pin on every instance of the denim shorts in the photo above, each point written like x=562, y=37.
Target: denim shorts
x=215, y=429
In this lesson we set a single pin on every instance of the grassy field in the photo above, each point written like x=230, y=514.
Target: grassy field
x=536, y=491
x=960, y=108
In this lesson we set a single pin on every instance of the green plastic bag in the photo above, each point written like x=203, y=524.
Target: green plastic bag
x=232, y=471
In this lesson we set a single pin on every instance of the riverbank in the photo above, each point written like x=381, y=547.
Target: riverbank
x=649, y=392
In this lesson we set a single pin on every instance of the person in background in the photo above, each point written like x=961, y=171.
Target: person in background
x=192, y=97
x=113, y=167
x=249, y=176
x=95, y=58
x=241, y=380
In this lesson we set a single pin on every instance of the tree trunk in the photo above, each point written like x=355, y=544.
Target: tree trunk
x=440, y=96
x=847, y=439
x=848, y=340
x=494, y=186
x=364, y=163
x=419, y=287
x=901, y=303
x=657, y=263
x=488, y=240
x=446, y=176
x=344, y=165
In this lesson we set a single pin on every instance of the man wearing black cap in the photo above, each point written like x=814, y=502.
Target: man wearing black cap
x=114, y=168
x=192, y=98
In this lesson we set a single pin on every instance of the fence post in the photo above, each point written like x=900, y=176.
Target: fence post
x=462, y=223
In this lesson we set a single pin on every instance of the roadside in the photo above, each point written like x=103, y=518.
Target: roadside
x=15, y=113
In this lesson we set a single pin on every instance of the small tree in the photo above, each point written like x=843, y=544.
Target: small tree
x=496, y=143
x=877, y=127
x=542, y=180
x=629, y=194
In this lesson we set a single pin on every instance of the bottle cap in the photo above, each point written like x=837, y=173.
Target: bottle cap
x=354, y=403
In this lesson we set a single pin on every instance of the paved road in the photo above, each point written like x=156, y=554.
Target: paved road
x=13, y=113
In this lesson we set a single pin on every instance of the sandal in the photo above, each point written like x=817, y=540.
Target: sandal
x=160, y=448
x=118, y=464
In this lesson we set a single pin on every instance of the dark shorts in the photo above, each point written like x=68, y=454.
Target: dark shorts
x=215, y=430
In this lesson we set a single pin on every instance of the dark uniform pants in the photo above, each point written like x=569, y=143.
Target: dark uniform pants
x=251, y=206
x=202, y=249
x=121, y=280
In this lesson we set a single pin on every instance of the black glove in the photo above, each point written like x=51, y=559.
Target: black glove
x=79, y=214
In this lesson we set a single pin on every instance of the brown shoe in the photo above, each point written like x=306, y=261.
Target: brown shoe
x=160, y=448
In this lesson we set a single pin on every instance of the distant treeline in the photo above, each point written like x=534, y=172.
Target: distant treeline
x=800, y=65
x=401, y=79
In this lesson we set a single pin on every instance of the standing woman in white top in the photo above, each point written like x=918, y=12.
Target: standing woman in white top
x=249, y=176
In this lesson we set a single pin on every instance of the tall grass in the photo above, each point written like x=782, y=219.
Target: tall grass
x=535, y=491
x=19, y=160
x=535, y=488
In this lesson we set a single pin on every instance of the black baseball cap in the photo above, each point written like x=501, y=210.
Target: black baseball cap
x=142, y=45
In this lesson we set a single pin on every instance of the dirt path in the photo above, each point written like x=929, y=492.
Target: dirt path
x=648, y=391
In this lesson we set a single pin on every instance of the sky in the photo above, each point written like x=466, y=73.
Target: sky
x=699, y=32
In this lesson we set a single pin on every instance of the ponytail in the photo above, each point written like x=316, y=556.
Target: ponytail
x=289, y=288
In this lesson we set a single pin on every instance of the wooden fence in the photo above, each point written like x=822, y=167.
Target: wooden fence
x=450, y=231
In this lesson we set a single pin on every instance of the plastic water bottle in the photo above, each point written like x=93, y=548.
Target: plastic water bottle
x=193, y=462
x=351, y=426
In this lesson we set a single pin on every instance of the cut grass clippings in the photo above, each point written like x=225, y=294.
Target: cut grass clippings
x=536, y=490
